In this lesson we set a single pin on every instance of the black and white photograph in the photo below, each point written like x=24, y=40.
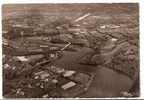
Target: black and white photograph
x=70, y=50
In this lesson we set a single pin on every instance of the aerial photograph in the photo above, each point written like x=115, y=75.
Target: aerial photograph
x=70, y=50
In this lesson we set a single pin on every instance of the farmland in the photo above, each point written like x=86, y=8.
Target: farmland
x=99, y=43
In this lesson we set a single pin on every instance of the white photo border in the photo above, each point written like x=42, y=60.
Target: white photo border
x=141, y=36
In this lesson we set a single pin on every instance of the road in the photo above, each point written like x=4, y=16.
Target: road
x=106, y=83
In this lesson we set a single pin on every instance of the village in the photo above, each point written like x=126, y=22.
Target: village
x=68, y=57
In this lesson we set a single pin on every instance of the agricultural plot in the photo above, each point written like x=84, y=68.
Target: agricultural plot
x=70, y=50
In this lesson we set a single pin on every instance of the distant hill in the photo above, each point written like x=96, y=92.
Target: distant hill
x=11, y=10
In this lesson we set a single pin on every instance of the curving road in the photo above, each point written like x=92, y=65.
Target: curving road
x=107, y=82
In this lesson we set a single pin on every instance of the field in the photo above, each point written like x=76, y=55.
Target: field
x=97, y=39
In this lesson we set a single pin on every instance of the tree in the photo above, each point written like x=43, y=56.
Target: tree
x=33, y=17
